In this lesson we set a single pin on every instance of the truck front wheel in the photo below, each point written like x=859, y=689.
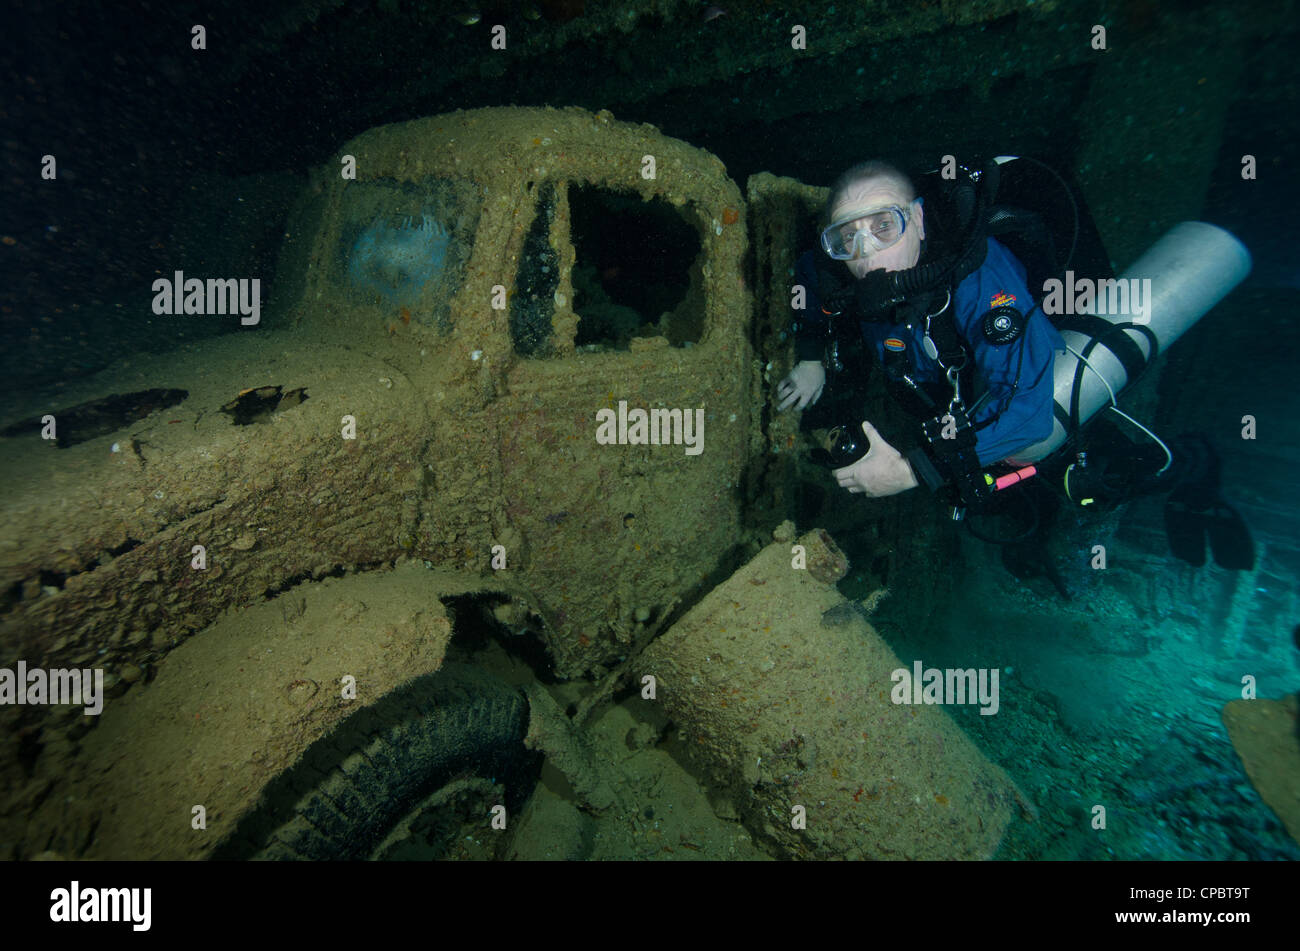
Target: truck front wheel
x=400, y=777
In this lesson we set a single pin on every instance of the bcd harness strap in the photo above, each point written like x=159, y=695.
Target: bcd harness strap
x=947, y=455
x=1103, y=333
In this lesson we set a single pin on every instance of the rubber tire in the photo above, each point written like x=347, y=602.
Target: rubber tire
x=351, y=788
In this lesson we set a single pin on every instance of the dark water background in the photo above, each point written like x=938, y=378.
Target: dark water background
x=170, y=158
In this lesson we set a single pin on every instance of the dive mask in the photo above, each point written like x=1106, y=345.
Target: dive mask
x=852, y=234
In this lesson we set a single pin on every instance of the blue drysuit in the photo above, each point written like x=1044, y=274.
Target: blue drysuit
x=1017, y=376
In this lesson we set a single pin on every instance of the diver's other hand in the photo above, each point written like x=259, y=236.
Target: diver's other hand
x=802, y=386
x=882, y=471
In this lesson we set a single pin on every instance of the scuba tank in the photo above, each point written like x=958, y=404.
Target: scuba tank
x=1189, y=270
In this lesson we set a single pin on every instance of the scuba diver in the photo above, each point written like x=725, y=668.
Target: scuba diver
x=966, y=347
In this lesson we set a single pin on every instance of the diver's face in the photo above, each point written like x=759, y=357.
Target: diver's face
x=871, y=194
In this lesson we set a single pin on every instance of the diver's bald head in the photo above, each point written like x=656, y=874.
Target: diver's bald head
x=873, y=171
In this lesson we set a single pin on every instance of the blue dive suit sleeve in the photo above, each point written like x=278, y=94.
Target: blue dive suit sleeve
x=1018, y=376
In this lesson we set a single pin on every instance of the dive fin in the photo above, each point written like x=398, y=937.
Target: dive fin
x=1196, y=509
x=1230, y=539
x=1185, y=528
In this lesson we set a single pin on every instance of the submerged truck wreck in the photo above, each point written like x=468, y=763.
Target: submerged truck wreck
x=462, y=421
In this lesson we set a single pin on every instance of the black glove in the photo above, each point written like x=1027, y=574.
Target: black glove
x=834, y=286
x=867, y=298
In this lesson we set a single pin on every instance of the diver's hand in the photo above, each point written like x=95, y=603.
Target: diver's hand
x=882, y=471
x=802, y=386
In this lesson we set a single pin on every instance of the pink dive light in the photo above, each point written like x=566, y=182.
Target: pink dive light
x=1011, y=478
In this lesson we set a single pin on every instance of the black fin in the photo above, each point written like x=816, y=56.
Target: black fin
x=1185, y=528
x=1230, y=539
